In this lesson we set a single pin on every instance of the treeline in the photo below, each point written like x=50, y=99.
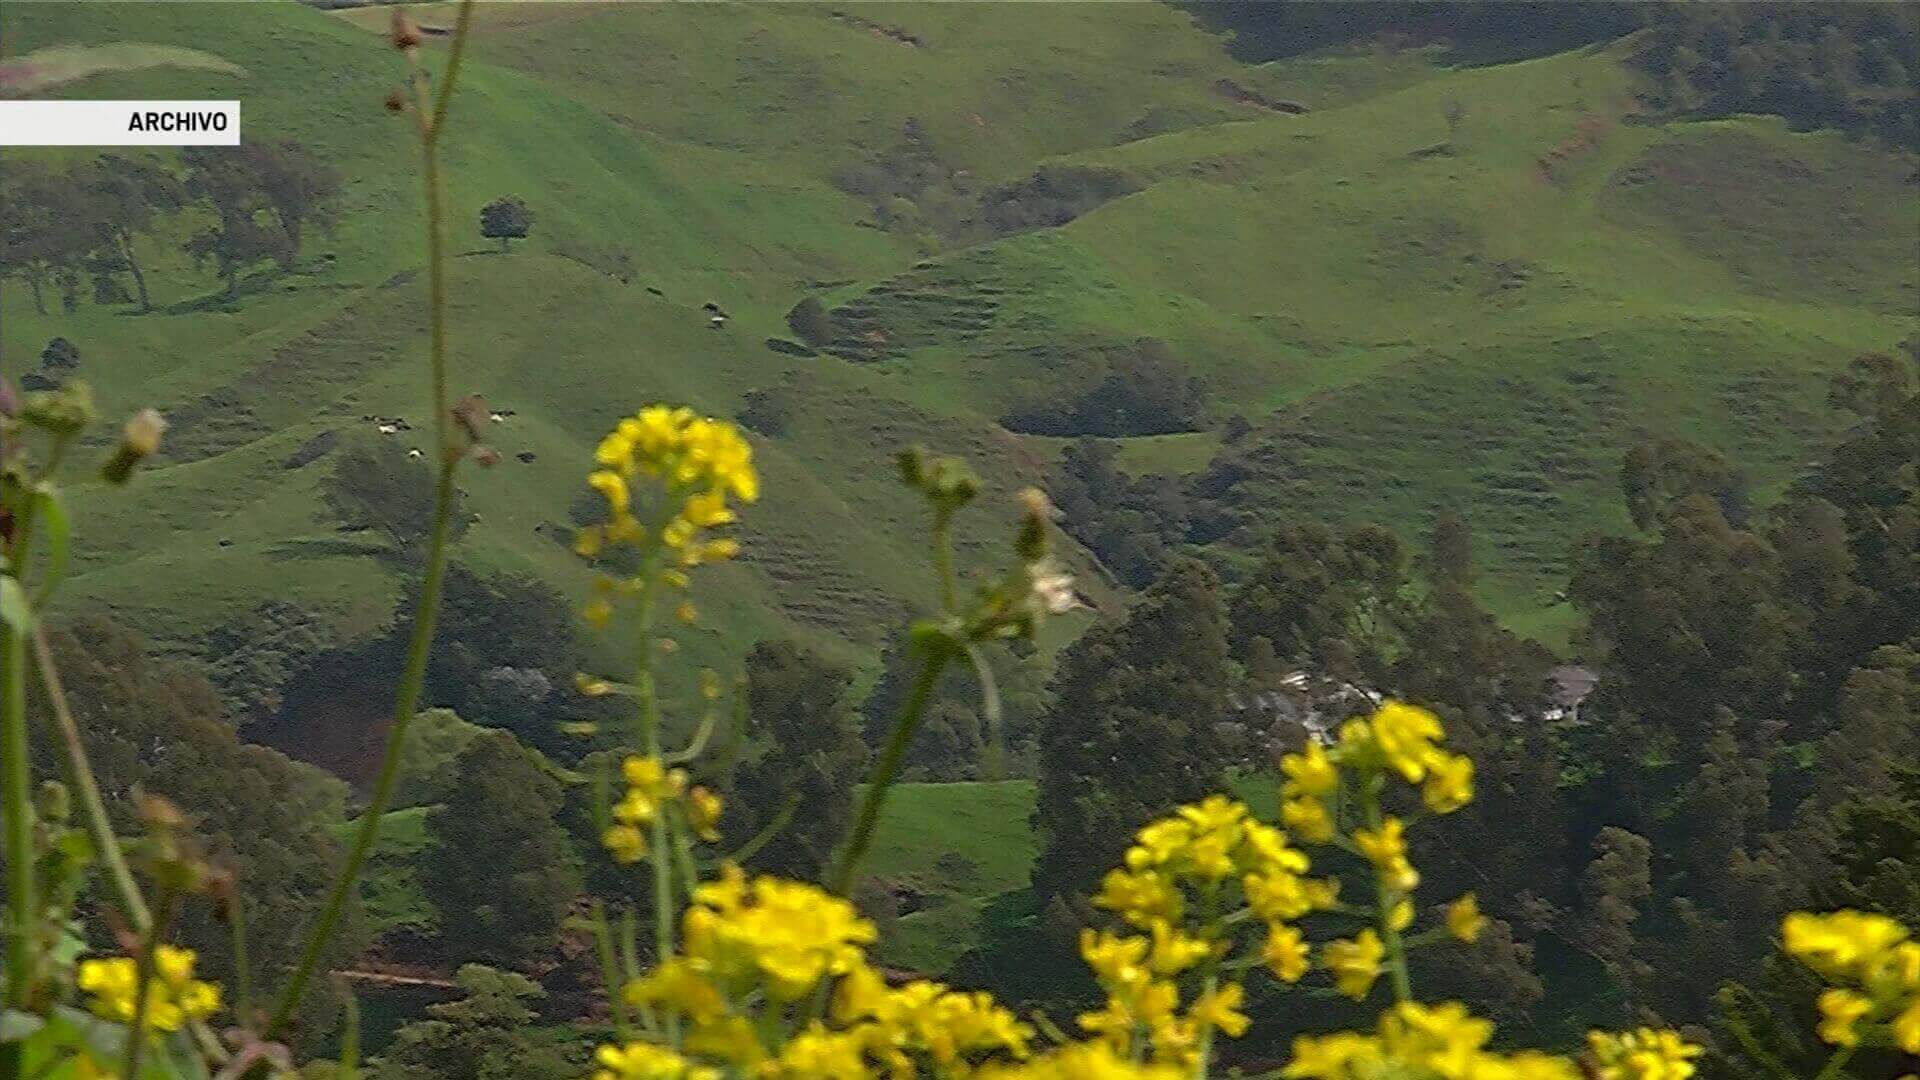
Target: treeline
x=1841, y=65
x=84, y=226
x=1750, y=747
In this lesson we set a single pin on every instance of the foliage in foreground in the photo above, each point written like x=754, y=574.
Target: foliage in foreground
x=769, y=975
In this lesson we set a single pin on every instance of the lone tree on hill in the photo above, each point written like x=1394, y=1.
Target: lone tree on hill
x=505, y=219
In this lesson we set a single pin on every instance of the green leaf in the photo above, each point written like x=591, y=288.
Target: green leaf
x=14, y=608
x=56, y=65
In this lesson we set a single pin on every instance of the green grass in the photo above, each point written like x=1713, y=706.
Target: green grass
x=390, y=891
x=983, y=823
x=1409, y=322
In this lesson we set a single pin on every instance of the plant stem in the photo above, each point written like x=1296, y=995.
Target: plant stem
x=142, y=981
x=407, y=695
x=1396, y=948
x=1836, y=1063
x=17, y=802
x=406, y=702
x=81, y=775
x=891, y=758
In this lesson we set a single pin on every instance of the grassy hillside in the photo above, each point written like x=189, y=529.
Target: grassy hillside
x=1410, y=319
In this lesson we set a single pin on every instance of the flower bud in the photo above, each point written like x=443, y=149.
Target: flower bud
x=54, y=804
x=396, y=100
x=405, y=33
x=139, y=440
x=59, y=412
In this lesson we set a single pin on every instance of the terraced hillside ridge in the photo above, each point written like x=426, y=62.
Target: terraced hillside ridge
x=1407, y=313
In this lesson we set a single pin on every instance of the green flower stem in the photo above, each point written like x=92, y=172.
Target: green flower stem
x=420, y=644
x=143, y=977
x=99, y=825
x=1837, y=1063
x=609, y=970
x=888, y=769
x=1209, y=980
x=1384, y=901
x=16, y=800
x=406, y=703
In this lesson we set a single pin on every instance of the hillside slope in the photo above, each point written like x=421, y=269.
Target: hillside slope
x=1408, y=318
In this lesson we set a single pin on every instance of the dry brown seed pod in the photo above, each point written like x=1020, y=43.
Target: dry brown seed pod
x=405, y=33
x=396, y=100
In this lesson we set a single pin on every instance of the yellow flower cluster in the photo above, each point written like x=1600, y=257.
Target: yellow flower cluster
x=646, y=1061
x=1198, y=850
x=1873, y=967
x=751, y=949
x=1420, y=1042
x=1083, y=1061
x=174, y=996
x=1645, y=1054
x=653, y=789
x=770, y=934
x=1397, y=738
x=697, y=463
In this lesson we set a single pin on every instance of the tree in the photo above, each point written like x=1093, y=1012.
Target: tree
x=1656, y=475
x=225, y=179
x=483, y=1035
x=796, y=706
x=160, y=727
x=132, y=194
x=1335, y=602
x=297, y=188
x=505, y=219
x=500, y=872
x=375, y=487
x=1132, y=729
x=50, y=227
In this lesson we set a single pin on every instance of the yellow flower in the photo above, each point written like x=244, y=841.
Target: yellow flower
x=703, y=813
x=778, y=935
x=1449, y=782
x=1645, y=1054
x=1278, y=896
x=625, y=843
x=1400, y=916
x=1139, y=897
x=1308, y=818
x=676, y=985
x=1220, y=1009
x=1355, y=963
x=645, y=1061
x=1174, y=952
x=1906, y=1028
x=1285, y=953
x=1083, y=1061
x=1839, y=1011
x=1386, y=848
x=1840, y=943
x=173, y=995
x=1428, y=1042
x=1310, y=772
x=1404, y=736
x=1464, y=920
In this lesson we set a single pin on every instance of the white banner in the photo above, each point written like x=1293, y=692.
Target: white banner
x=119, y=123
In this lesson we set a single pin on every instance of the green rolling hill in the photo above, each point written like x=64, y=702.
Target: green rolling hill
x=1407, y=318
